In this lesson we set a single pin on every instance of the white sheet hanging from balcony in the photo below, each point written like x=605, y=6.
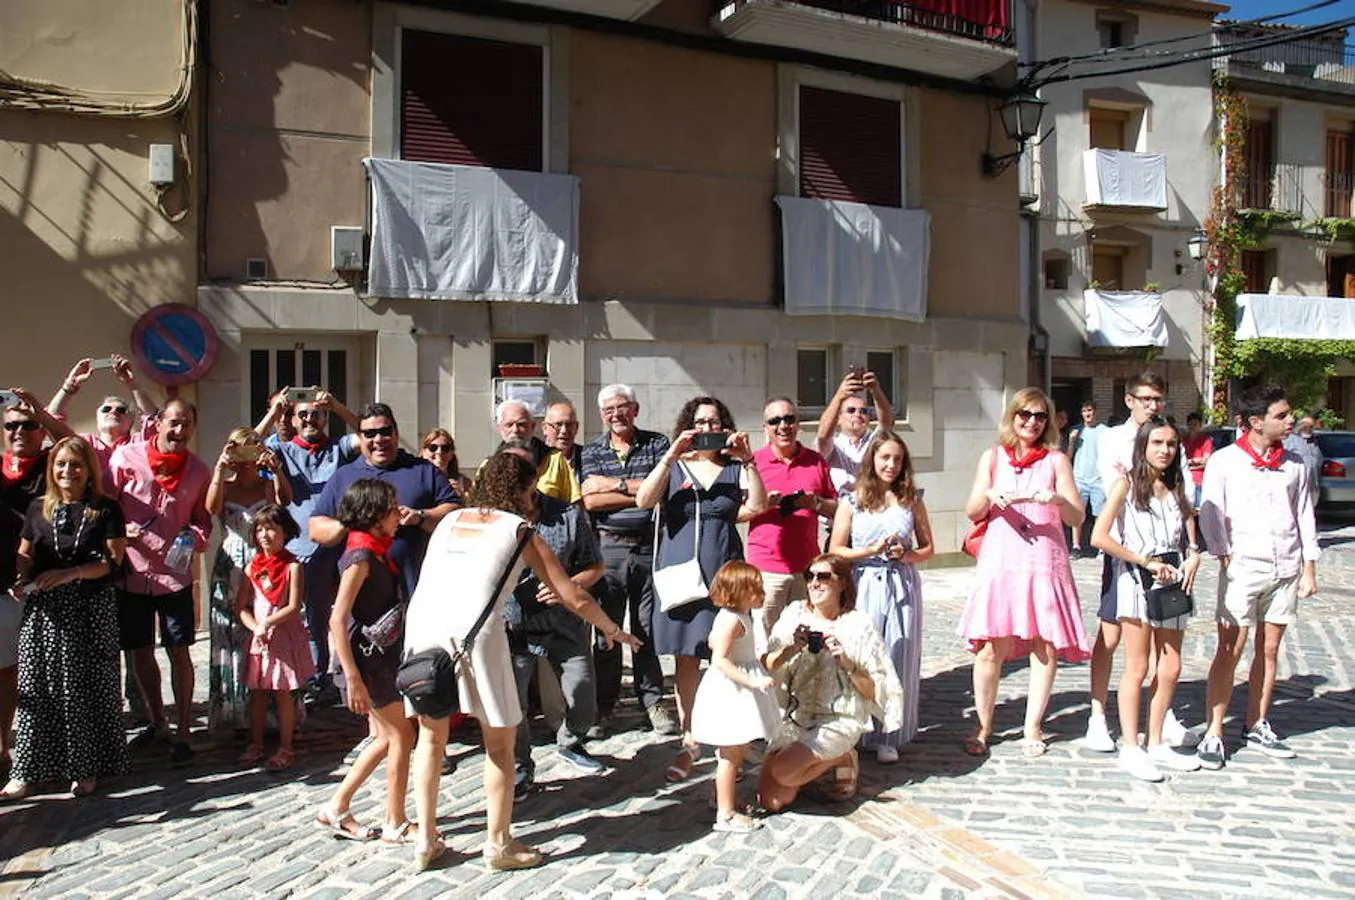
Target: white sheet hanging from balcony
x=442, y=232
x=852, y=259
x=1122, y=178
x=1124, y=319
x=1291, y=316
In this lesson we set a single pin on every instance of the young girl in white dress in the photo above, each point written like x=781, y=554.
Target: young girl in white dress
x=734, y=704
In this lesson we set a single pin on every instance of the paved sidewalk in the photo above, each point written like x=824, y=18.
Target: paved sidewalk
x=938, y=824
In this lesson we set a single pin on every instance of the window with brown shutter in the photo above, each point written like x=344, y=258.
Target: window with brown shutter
x=1258, y=267
x=851, y=147
x=470, y=101
x=1258, y=152
x=1338, y=175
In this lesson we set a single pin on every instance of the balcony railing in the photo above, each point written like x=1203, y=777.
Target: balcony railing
x=980, y=20
x=1338, y=187
x=1332, y=61
x=1278, y=186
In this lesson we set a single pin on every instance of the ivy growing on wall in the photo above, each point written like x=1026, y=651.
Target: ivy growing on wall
x=1302, y=367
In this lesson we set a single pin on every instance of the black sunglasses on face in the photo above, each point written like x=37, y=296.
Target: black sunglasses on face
x=856, y=410
x=383, y=431
x=308, y=414
x=439, y=448
x=28, y=425
x=781, y=420
x=811, y=577
x=1025, y=415
x=116, y=410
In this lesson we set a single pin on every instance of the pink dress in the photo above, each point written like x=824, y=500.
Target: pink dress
x=1025, y=587
x=283, y=662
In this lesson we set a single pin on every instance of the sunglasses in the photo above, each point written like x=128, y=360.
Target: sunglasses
x=116, y=410
x=824, y=577
x=28, y=425
x=774, y=421
x=383, y=431
x=856, y=410
x=439, y=448
x=1025, y=415
x=307, y=415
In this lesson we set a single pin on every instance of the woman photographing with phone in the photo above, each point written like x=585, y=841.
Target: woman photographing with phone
x=1152, y=585
x=246, y=478
x=1025, y=600
x=883, y=528
x=703, y=485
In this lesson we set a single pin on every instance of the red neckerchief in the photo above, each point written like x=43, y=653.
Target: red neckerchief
x=379, y=547
x=1034, y=455
x=166, y=467
x=1271, y=459
x=269, y=575
x=308, y=446
x=16, y=468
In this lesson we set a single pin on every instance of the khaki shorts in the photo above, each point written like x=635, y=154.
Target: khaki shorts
x=828, y=738
x=1248, y=595
x=780, y=589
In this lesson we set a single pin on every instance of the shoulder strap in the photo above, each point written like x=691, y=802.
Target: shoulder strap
x=527, y=535
x=992, y=463
x=658, y=513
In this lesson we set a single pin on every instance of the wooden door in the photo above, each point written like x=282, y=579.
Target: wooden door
x=1338, y=174
x=1108, y=128
x=1108, y=267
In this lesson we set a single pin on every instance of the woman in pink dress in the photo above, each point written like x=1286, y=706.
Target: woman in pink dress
x=1025, y=600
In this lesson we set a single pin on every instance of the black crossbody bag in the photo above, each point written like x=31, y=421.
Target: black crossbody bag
x=1165, y=601
x=427, y=679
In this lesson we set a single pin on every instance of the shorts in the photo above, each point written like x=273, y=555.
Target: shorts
x=137, y=614
x=780, y=591
x=1249, y=595
x=1093, y=498
x=828, y=738
x=1109, y=610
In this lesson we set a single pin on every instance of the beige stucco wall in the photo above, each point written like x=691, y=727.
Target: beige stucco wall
x=83, y=243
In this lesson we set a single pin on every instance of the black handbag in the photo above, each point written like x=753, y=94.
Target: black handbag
x=427, y=679
x=1165, y=601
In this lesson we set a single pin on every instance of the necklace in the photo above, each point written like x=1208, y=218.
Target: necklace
x=61, y=524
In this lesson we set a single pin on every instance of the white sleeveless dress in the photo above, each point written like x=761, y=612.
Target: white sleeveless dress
x=459, y=571
x=726, y=714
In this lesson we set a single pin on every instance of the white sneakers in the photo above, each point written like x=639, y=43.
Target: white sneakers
x=1137, y=763
x=886, y=755
x=1165, y=757
x=1175, y=734
x=1098, y=737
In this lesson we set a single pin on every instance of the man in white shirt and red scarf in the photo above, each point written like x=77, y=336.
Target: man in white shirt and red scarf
x=1257, y=514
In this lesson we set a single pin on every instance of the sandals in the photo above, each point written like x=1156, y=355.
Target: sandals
x=514, y=856
x=253, y=753
x=1034, y=748
x=342, y=825
x=426, y=854
x=403, y=833
x=83, y=788
x=280, y=761
x=735, y=823
x=975, y=746
x=844, y=780
x=682, y=764
x=16, y=790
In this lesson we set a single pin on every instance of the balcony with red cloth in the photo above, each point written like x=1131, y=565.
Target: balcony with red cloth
x=960, y=39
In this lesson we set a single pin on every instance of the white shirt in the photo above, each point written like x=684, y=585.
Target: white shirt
x=844, y=459
x=1261, y=516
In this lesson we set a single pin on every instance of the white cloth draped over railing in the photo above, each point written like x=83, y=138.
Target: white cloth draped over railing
x=1124, y=178
x=1124, y=319
x=1291, y=316
x=443, y=232
x=853, y=259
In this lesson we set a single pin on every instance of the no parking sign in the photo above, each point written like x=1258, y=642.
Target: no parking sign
x=174, y=344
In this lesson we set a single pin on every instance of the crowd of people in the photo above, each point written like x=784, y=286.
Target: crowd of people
x=342, y=556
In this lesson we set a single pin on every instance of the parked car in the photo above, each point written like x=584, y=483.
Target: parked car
x=1337, y=492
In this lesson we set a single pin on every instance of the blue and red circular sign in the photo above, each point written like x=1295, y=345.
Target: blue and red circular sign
x=174, y=344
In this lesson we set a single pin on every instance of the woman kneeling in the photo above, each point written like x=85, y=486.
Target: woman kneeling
x=834, y=676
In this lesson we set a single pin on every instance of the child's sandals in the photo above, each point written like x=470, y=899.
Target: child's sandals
x=735, y=823
x=253, y=753
x=280, y=761
x=342, y=825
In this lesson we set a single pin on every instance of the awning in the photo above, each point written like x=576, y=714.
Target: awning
x=442, y=232
x=1124, y=319
x=844, y=258
x=1292, y=316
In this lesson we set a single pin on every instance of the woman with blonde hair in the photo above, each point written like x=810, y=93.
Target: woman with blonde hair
x=70, y=706
x=439, y=448
x=883, y=528
x=247, y=477
x=1025, y=600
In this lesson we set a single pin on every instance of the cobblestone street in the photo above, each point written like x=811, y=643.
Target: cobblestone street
x=938, y=824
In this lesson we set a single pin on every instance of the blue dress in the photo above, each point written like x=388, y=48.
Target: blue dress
x=890, y=593
x=684, y=631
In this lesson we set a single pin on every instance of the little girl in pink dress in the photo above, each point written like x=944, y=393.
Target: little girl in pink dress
x=269, y=605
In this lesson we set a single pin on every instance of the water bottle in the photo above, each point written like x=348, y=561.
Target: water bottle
x=180, y=555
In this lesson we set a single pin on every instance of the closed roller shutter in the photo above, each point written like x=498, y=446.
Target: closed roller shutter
x=850, y=147
x=470, y=102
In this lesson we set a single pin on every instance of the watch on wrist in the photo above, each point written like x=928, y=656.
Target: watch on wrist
x=621, y=486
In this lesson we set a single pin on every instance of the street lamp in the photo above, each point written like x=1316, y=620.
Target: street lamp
x=1197, y=245
x=1021, y=114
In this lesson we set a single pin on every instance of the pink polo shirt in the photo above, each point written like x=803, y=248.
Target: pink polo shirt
x=786, y=544
x=1262, y=517
x=161, y=516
